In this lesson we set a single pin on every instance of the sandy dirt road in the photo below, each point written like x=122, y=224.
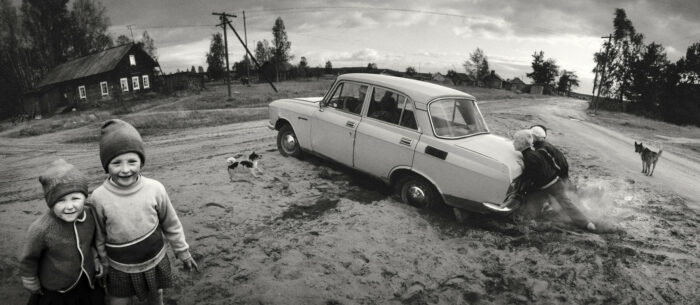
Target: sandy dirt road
x=311, y=232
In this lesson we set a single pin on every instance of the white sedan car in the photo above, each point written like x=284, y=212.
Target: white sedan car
x=429, y=142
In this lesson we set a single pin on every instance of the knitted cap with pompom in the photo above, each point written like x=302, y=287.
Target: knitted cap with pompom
x=60, y=179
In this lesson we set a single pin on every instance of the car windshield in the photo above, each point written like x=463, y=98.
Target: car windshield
x=456, y=118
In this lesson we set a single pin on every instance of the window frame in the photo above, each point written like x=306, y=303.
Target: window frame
x=132, y=59
x=326, y=102
x=135, y=83
x=104, y=90
x=146, y=82
x=124, y=83
x=82, y=92
x=407, y=101
x=476, y=105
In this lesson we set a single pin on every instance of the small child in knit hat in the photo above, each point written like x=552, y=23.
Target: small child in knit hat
x=57, y=263
x=141, y=220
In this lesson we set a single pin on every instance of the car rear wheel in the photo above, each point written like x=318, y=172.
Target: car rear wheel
x=418, y=192
x=287, y=142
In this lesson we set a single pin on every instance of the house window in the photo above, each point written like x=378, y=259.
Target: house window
x=145, y=82
x=132, y=60
x=81, y=92
x=104, y=88
x=125, y=84
x=135, y=82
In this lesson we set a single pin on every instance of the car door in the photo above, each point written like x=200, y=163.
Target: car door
x=333, y=126
x=388, y=134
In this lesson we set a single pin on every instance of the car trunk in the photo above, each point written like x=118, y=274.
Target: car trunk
x=497, y=148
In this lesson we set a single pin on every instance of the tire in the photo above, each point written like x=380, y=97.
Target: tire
x=287, y=143
x=461, y=216
x=418, y=192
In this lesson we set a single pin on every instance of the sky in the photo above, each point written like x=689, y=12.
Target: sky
x=431, y=36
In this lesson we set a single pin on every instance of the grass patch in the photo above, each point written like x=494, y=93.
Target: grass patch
x=164, y=122
x=157, y=124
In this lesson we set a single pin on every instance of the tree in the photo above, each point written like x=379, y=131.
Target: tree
x=200, y=70
x=215, y=57
x=411, y=71
x=567, y=81
x=263, y=51
x=303, y=67
x=280, y=46
x=148, y=45
x=89, y=24
x=628, y=46
x=477, y=65
x=648, y=75
x=371, y=67
x=122, y=40
x=543, y=71
x=329, y=67
x=16, y=74
x=241, y=67
x=47, y=23
x=193, y=70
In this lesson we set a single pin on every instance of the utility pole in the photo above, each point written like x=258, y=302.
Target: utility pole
x=132, y=32
x=224, y=20
x=245, y=33
x=602, y=73
x=246, y=49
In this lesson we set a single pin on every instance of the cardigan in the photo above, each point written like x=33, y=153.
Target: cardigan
x=131, y=223
x=57, y=253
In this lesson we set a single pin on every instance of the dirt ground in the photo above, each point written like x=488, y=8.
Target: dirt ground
x=312, y=232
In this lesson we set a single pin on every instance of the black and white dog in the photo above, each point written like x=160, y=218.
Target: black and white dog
x=250, y=165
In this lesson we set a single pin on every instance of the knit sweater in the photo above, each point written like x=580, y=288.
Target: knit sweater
x=132, y=221
x=57, y=253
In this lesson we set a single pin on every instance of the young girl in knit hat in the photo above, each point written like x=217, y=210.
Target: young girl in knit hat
x=57, y=263
x=135, y=215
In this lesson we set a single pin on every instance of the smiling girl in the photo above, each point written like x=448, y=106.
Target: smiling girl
x=134, y=213
x=58, y=263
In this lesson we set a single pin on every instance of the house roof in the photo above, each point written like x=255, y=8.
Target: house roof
x=87, y=65
x=492, y=75
x=517, y=81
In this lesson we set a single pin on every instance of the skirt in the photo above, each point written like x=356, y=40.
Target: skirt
x=81, y=294
x=121, y=284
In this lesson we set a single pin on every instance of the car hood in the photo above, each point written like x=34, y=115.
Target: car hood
x=497, y=148
x=309, y=99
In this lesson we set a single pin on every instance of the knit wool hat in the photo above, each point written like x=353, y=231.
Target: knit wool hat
x=118, y=137
x=60, y=179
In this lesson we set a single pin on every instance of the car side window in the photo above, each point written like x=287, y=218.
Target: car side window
x=407, y=119
x=384, y=106
x=348, y=97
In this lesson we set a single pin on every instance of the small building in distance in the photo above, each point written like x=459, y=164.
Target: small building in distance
x=121, y=72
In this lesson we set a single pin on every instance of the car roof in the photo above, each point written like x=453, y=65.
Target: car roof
x=419, y=91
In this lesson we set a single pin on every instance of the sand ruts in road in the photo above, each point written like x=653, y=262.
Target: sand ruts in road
x=312, y=232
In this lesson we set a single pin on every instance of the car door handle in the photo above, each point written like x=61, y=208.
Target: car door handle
x=350, y=124
x=405, y=141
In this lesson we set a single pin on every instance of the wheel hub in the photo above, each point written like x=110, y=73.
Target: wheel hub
x=289, y=142
x=415, y=193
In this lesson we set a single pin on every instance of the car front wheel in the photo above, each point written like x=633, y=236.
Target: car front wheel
x=287, y=142
x=418, y=192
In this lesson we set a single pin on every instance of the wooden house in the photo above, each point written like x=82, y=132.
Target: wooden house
x=492, y=80
x=122, y=72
